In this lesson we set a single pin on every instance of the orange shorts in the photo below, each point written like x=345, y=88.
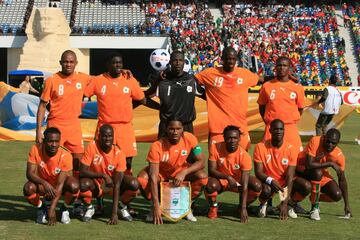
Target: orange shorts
x=291, y=135
x=326, y=178
x=218, y=137
x=226, y=186
x=71, y=136
x=124, y=137
x=163, y=176
x=100, y=185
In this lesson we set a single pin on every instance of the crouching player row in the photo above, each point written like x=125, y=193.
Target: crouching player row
x=102, y=171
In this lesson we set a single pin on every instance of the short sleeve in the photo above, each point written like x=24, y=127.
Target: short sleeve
x=258, y=153
x=301, y=97
x=88, y=155
x=67, y=163
x=340, y=160
x=46, y=93
x=154, y=153
x=246, y=164
x=201, y=77
x=90, y=87
x=136, y=92
x=213, y=153
x=121, y=162
x=312, y=147
x=32, y=155
x=293, y=156
x=192, y=139
x=262, y=99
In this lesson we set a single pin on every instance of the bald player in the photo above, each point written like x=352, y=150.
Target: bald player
x=320, y=154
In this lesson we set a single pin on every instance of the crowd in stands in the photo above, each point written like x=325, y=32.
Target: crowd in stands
x=351, y=16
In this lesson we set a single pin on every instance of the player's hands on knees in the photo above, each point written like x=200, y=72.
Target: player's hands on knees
x=113, y=219
x=283, y=211
x=157, y=216
x=179, y=178
x=50, y=191
x=108, y=181
x=244, y=215
x=276, y=186
x=128, y=74
x=52, y=217
x=232, y=182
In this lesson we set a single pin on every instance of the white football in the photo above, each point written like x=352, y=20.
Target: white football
x=159, y=59
x=187, y=65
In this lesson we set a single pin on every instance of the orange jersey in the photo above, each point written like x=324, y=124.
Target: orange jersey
x=275, y=160
x=114, y=97
x=315, y=149
x=227, y=96
x=101, y=162
x=170, y=157
x=65, y=93
x=48, y=168
x=282, y=100
x=230, y=163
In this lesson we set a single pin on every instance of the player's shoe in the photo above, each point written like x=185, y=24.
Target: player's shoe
x=150, y=217
x=65, y=215
x=262, y=210
x=212, y=214
x=191, y=217
x=78, y=209
x=90, y=211
x=292, y=213
x=41, y=215
x=124, y=213
x=298, y=208
x=132, y=211
x=315, y=214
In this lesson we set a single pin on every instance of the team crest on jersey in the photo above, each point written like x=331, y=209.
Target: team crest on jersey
x=284, y=161
x=126, y=90
x=78, y=85
x=110, y=167
x=236, y=166
x=240, y=81
x=183, y=152
x=57, y=170
x=292, y=95
x=189, y=89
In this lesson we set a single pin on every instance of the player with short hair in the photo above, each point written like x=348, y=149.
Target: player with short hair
x=176, y=91
x=275, y=163
x=227, y=96
x=115, y=92
x=168, y=160
x=48, y=172
x=229, y=170
x=64, y=91
x=102, y=171
x=282, y=98
x=321, y=153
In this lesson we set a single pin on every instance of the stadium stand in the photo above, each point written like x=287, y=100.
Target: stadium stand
x=12, y=16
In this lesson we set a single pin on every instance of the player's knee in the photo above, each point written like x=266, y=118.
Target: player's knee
x=266, y=191
x=72, y=185
x=212, y=186
x=256, y=186
x=314, y=174
x=337, y=195
x=29, y=188
x=201, y=174
x=134, y=184
x=307, y=187
x=85, y=184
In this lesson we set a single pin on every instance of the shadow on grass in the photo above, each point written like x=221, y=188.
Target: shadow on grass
x=15, y=208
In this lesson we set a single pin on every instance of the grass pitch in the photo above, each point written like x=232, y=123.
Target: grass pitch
x=17, y=216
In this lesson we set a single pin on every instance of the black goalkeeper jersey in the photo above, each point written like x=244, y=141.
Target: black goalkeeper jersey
x=177, y=97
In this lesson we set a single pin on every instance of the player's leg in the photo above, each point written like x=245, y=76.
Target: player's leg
x=266, y=194
x=188, y=127
x=301, y=188
x=32, y=192
x=89, y=189
x=128, y=190
x=162, y=129
x=212, y=189
x=328, y=119
x=254, y=189
x=330, y=192
x=199, y=180
x=315, y=177
x=320, y=123
x=143, y=180
x=71, y=192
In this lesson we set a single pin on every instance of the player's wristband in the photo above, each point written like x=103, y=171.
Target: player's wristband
x=269, y=180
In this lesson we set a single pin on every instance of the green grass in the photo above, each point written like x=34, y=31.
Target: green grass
x=17, y=216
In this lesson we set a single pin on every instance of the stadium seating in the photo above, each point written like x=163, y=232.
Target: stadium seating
x=12, y=16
